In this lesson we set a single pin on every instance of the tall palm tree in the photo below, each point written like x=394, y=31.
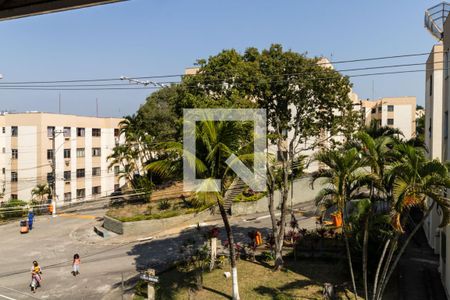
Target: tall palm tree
x=342, y=170
x=40, y=191
x=414, y=179
x=215, y=142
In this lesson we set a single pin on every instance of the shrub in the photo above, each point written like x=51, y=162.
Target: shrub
x=164, y=205
x=13, y=209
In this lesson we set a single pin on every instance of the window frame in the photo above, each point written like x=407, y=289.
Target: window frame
x=81, y=132
x=95, y=150
x=96, y=132
x=14, y=154
x=14, y=176
x=81, y=150
x=14, y=130
x=81, y=173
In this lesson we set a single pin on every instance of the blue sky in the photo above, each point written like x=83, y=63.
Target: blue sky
x=154, y=37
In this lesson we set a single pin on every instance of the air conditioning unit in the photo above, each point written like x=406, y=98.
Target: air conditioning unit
x=67, y=182
x=67, y=138
x=67, y=161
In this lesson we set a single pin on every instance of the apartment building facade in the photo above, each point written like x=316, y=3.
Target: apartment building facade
x=434, y=134
x=396, y=112
x=79, y=151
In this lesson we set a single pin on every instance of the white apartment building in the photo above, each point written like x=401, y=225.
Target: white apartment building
x=434, y=135
x=80, y=150
x=397, y=112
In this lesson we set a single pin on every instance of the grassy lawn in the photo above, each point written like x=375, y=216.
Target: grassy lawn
x=150, y=211
x=302, y=279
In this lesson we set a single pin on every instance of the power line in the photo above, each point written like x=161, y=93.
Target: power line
x=187, y=75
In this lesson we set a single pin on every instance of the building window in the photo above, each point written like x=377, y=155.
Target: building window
x=96, y=152
x=96, y=171
x=68, y=196
x=13, y=176
x=116, y=170
x=67, y=176
x=80, y=131
x=14, y=196
x=49, y=154
x=96, y=190
x=3, y=170
x=50, y=131
x=116, y=132
x=390, y=121
x=3, y=129
x=66, y=153
x=374, y=110
x=390, y=107
x=380, y=108
x=66, y=131
x=80, y=173
x=431, y=85
x=117, y=187
x=50, y=177
x=80, y=152
x=4, y=150
x=81, y=193
x=446, y=124
x=96, y=132
x=446, y=64
x=14, y=130
x=430, y=129
x=14, y=154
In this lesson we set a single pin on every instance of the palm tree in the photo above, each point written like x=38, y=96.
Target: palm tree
x=40, y=191
x=343, y=171
x=414, y=179
x=215, y=142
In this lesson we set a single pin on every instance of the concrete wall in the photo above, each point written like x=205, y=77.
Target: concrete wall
x=154, y=226
x=302, y=192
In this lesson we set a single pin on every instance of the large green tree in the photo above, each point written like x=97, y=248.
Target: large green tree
x=306, y=102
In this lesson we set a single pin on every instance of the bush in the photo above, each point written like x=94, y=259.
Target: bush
x=164, y=205
x=13, y=209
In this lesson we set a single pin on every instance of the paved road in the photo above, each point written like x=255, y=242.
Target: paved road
x=53, y=242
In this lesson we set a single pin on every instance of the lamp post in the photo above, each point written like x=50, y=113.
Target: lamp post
x=142, y=82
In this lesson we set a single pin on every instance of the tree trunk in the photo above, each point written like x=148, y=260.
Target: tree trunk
x=403, y=248
x=234, y=275
x=213, y=245
x=349, y=258
x=392, y=248
x=365, y=246
x=380, y=263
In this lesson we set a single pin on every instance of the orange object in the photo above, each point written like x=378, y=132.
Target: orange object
x=50, y=208
x=258, y=238
x=24, y=226
x=337, y=219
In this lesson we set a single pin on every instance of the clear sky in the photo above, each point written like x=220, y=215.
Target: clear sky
x=154, y=37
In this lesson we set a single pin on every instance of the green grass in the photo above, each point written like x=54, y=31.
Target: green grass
x=242, y=198
x=134, y=213
x=302, y=279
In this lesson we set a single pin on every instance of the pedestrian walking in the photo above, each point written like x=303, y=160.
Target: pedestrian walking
x=76, y=265
x=30, y=219
x=35, y=276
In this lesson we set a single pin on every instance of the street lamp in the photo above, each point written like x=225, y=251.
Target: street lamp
x=145, y=83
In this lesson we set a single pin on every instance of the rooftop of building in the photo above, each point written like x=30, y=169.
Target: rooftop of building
x=4, y=113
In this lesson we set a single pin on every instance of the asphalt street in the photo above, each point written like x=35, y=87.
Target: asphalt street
x=54, y=241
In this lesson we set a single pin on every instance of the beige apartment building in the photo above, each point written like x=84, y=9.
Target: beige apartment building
x=80, y=151
x=397, y=112
x=437, y=103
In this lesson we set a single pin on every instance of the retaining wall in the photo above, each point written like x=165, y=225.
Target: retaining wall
x=156, y=225
x=302, y=192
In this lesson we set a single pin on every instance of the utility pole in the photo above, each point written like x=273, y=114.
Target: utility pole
x=53, y=183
